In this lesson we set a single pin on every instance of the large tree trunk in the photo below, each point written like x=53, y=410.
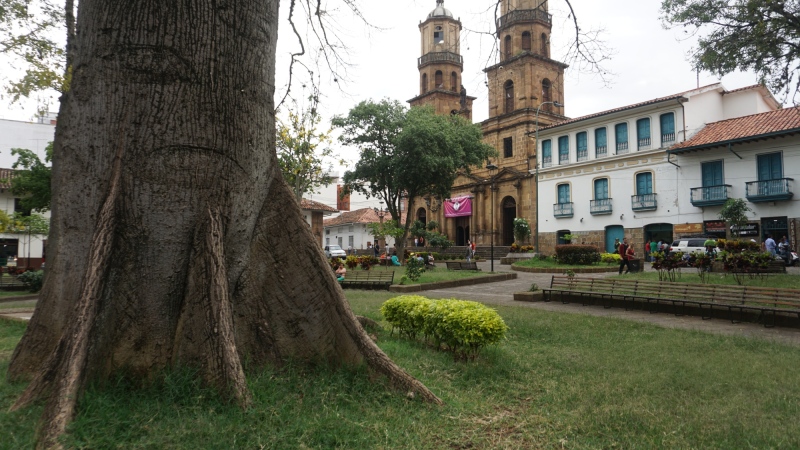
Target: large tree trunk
x=174, y=239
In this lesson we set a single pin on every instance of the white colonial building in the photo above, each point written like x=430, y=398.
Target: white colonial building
x=350, y=230
x=608, y=175
x=755, y=158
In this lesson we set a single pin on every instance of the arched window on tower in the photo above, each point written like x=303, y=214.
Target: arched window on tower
x=526, y=41
x=547, y=95
x=508, y=94
x=424, y=84
x=439, y=80
x=453, y=82
x=543, y=45
x=507, y=49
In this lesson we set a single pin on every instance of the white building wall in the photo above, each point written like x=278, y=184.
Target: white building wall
x=342, y=235
x=736, y=173
x=16, y=134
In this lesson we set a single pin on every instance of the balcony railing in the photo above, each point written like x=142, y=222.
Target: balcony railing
x=600, y=206
x=563, y=158
x=435, y=57
x=583, y=155
x=524, y=15
x=562, y=209
x=645, y=202
x=622, y=148
x=769, y=190
x=667, y=138
x=644, y=143
x=547, y=161
x=711, y=195
x=600, y=151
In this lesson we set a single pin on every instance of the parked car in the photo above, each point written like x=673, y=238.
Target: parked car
x=332, y=251
x=690, y=245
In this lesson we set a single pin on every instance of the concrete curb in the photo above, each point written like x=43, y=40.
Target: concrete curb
x=451, y=284
x=17, y=298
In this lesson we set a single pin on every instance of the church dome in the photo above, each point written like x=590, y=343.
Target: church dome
x=440, y=10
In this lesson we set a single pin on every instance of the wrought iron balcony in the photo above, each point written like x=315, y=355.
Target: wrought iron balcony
x=438, y=57
x=601, y=151
x=622, y=148
x=770, y=190
x=644, y=143
x=600, y=206
x=646, y=202
x=711, y=195
x=562, y=209
x=524, y=15
x=583, y=155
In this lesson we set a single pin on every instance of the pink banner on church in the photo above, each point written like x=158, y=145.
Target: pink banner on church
x=458, y=207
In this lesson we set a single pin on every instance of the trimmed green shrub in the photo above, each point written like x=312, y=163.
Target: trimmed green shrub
x=406, y=313
x=575, y=255
x=610, y=258
x=33, y=280
x=462, y=327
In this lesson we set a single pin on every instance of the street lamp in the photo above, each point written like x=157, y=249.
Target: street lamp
x=381, y=213
x=492, y=167
x=536, y=176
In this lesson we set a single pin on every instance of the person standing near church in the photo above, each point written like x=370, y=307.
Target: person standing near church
x=623, y=254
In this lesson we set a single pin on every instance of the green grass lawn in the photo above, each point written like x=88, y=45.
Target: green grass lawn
x=440, y=273
x=689, y=275
x=559, y=381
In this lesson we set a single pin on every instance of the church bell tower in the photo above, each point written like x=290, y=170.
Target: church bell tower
x=441, y=64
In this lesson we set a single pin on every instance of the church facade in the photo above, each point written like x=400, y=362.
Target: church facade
x=526, y=91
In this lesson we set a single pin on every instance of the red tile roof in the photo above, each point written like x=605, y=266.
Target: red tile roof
x=5, y=178
x=782, y=121
x=635, y=105
x=363, y=215
x=311, y=205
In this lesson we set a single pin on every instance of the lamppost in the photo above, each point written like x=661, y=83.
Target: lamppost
x=536, y=175
x=381, y=213
x=492, y=167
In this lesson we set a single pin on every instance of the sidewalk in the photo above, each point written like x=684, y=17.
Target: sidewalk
x=502, y=293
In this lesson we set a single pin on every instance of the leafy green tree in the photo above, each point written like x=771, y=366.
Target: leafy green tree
x=408, y=153
x=758, y=35
x=386, y=228
x=27, y=28
x=302, y=149
x=31, y=181
x=734, y=212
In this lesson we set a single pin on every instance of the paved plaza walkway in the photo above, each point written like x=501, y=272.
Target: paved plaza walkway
x=502, y=293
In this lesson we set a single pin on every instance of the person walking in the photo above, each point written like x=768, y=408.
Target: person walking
x=469, y=251
x=769, y=245
x=653, y=249
x=472, y=249
x=623, y=254
x=647, y=250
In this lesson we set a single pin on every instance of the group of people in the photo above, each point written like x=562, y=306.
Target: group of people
x=626, y=254
x=782, y=249
x=470, y=250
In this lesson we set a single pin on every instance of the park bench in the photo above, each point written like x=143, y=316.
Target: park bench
x=368, y=279
x=706, y=298
x=458, y=265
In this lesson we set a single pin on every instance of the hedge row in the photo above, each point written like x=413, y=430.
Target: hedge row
x=462, y=327
x=578, y=255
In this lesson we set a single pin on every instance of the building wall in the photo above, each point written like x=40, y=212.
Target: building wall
x=31, y=136
x=359, y=232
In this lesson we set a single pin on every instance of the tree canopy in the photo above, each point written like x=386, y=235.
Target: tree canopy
x=302, y=148
x=409, y=153
x=758, y=35
x=31, y=181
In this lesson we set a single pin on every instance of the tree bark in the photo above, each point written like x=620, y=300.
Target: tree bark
x=174, y=239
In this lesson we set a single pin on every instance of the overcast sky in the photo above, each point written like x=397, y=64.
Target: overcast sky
x=648, y=61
